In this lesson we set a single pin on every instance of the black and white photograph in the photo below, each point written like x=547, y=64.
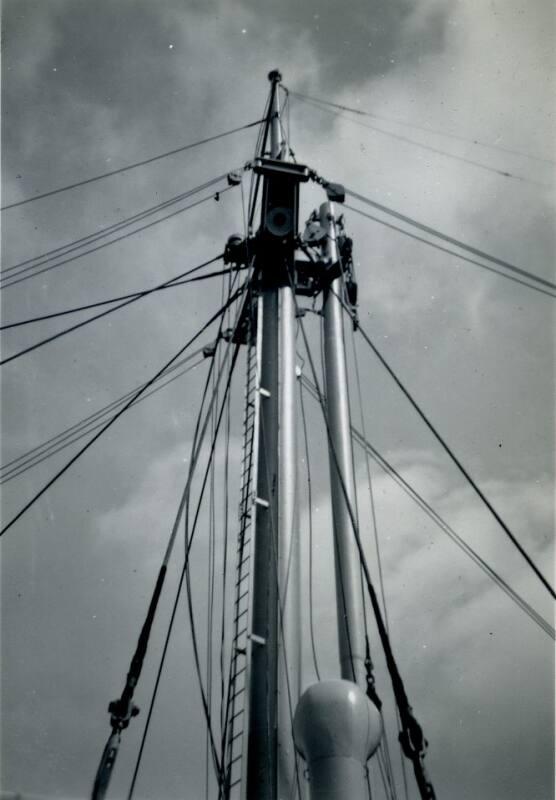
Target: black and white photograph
x=277, y=375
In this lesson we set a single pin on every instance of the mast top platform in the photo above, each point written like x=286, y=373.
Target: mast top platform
x=275, y=76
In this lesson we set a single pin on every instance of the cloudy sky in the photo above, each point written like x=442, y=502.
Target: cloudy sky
x=90, y=87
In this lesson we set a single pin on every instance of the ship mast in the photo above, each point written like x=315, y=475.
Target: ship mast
x=274, y=643
x=336, y=724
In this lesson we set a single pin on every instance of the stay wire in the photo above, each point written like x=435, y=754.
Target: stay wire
x=450, y=239
x=118, y=414
x=429, y=148
x=423, y=128
x=211, y=585
x=489, y=571
x=98, y=303
x=123, y=709
x=280, y=599
x=226, y=515
x=183, y=501
x=449, y=252
x=453, y=456
x=412, y=731
x=133, y=299
x=62, y=250
x=355, y=506
x=121, y=170
x=310, y=507
x=15, y=279
x=262, y=146
x=205, y=701
x=200, y=431
x=411, y=492
x=384, y=744
x=88, y=428
x=369, y=482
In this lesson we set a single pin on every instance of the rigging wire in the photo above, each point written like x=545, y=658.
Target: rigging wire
x=310, y=512
x=15, y=472
x=14, y=280
x=115, y=299
x=119, y=413
x=123, y=710
x=453, y=456
x=137, y=296
x=390, y=470
x=78, y=427
x=182, y=505
x=280, y=597
x=120, y=170
x=75, y=244
x=226, y=518
x=500, y=172
x=261, y=148
x=370, y=689
x=211, y=583
x=199, y=434
x=413, y=741
x=450, y=252
x=421, y=127
x=384, y=744
x=451, y=240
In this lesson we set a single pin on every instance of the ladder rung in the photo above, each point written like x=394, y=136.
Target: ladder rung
x=243, y=578
x=241, y=710
x=240, y=598
x=238, y=673
x=239, y=616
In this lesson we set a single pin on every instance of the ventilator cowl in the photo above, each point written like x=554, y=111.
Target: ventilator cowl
x=336, y=730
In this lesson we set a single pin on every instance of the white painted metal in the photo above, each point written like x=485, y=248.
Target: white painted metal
x=273, y=688
x=337, y=729
x=342, y=481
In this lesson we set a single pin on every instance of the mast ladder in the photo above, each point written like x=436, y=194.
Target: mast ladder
x=237, y=694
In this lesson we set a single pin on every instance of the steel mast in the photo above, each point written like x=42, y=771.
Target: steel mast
x=275, y=632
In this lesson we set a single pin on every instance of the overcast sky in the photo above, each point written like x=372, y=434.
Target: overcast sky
x=91, y=86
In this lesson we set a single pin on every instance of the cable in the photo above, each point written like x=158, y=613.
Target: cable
x=123, y=710
x=450, y=252
x=183, y=504
x=118, y=414
x=376, y=539
x=206, y=703
x=15, y=279
x=68, y=247
x=452, y=455
x=132, y=299
x=429, y=148
x=115, y=299
x=421, y=127
x=412, y=738
x=132, y=166
x=450, y=239
x=226, y=516
x=310, y=506
x=390, y=470
x=15, y=472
